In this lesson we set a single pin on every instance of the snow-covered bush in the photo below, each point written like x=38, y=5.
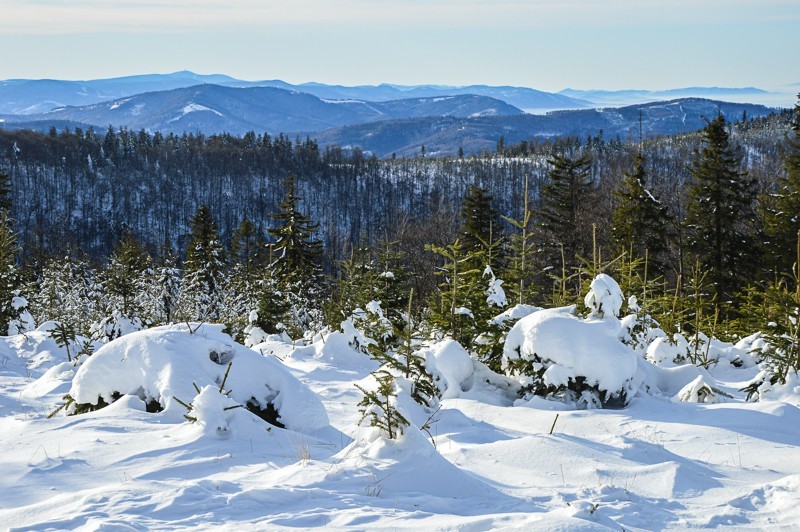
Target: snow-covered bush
x=379, y=405
x=604, y=298
x=114, y=326
x=166, y=365
x=559, y=355
x=21, y=321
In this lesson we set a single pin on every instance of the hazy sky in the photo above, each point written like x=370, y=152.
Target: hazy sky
x=545, y=44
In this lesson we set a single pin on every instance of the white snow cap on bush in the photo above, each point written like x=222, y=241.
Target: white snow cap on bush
x=604, y=297
x=167, y=362
x=571, y=348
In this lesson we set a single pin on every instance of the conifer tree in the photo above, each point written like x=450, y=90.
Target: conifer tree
x=720, y=213
x=126, y=277
x=204, y=270
x=241, y=295
x=480, y=226
x=565, y=201
x=521, y=248
x=164, y=289
x=639, y=223
x=5, y=193
x=783, y=217
x=297, y=259
x=13, y=308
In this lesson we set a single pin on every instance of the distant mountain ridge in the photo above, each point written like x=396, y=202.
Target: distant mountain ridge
x=216, y=109
x=29, y=96
x=444, y=136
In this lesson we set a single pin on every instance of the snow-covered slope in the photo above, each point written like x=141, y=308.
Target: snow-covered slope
x=488, y=463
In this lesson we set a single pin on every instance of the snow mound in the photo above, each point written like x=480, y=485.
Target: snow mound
x=165, y=363
x=564, y=352
x=452, y=362
x=698, y=391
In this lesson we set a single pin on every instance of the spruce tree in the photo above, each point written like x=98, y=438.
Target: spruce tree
x=520, y=252
x=639, y=223
x=126, y=277
x=566, y=200
x=297, y=259
x=720, y=213
x=13, y=307
x=782, y=219
x=204, y=277
x=5, y=193
x=480, y=225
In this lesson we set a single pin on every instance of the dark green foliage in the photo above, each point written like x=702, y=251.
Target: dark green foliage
x=9, y=276
x=521, y=253
x=720, y=216
x=5, y=194
x=576, y=390
x=204, y=270
x=296, y=261
x=268, y=413
x=566, y=206
x=126, y=276
x=640, y=221
x=782, y=219
x=296, y=254
x=380, y=406
x=481, y=231
x=64, y=336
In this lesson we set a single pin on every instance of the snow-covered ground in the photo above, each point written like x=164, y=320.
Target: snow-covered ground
x=657, y=463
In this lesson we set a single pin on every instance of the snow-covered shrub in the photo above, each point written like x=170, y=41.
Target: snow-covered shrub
x=561, y=356
x=604, y=298
x=699, y=391
x=114, y=326
x=169, y=362
x=379, y=405
x=22, y=321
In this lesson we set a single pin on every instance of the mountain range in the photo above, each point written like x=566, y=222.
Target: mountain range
x=382, y=119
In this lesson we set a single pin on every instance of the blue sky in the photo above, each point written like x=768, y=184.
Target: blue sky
x=545, y=44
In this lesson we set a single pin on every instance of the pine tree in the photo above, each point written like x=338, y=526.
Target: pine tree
x=639, y=223
x=720, y=213
x=566, y=200
x=204, y=277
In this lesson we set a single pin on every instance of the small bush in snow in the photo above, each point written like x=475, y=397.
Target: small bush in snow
x=380, y=406
x=561, y=356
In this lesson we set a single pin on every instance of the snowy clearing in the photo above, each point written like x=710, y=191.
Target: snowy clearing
x=498, y=462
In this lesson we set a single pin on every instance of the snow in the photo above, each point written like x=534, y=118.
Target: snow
x=482, y=464
x=164, y=364
x=604, y=298
x=570, y=348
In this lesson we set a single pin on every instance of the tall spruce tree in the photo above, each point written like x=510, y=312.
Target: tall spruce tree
x=126, y=277
x=204, y=270
x=640, y=221
x=297, y=259
x=566, y=200
x=5, y=193
x=481, y=231
x=720, y=214
x=782, y=218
